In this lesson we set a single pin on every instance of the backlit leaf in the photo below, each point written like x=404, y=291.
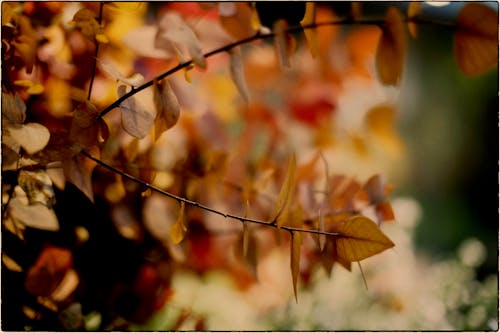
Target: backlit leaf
x=476, y=39
x=175, y=35
x=167, y=106
x=360, y=238
x=33, y=137
x=285, y=196
x=134, y=80
x=178, y=230
x=36, y=216
x=136, y=121
x=85, y=20
x=237, y=73
x=311, y=34
x=392, y=48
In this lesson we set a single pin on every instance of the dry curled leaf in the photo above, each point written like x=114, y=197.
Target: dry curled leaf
x=392, y=48
x=476, y=39
x=238, y=74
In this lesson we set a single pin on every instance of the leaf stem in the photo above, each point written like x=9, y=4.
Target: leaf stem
x=242, y=219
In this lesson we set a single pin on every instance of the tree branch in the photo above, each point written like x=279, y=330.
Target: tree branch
x=201, y=206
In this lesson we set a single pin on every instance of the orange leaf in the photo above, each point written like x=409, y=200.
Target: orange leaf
x=178, y=230
x=392, y=48
x=236, y=18
x=360, y=238
x=286, y=193
x=380, y=121
x=476, y=39
x=167, y=106
x=311, y=34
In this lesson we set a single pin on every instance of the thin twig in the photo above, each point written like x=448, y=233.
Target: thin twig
x=201, y=206
x=258, y=36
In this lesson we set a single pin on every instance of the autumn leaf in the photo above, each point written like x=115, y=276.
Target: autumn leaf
x=246, y=248
x=237, y=73
x=38, y=186
x=78, y=171
x=33, y=137
x=175, y=36
x=311, y=34
x=136, y=120
x=134, y=80
x=85, y=21
x=285, y=196
x=31, y=88
x=167, y=106
x=476, y=39
x=282, y=43
x=236, y=19
x=391, y=50
x=48, y=271
x=178, y=229
x=360, y=238
x=35, y=215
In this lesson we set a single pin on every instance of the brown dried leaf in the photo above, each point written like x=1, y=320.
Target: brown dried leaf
x=391, y=50
x=78, y=171
x=296, y=244
x=136, y=120
x=167, y=106
x=238, y=74
x=476, y=39
x=285, y=196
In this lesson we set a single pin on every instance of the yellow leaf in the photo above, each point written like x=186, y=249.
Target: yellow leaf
x=311, y=34
x=391, y=48
x=360, y=238
x=178, y=230
x=11, y=264
x=296, y=243
x=101, y=38
x=476, y=39
x=414, y=8
x=286, y=193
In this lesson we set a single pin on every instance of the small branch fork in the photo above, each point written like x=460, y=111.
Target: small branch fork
x=201, y=206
